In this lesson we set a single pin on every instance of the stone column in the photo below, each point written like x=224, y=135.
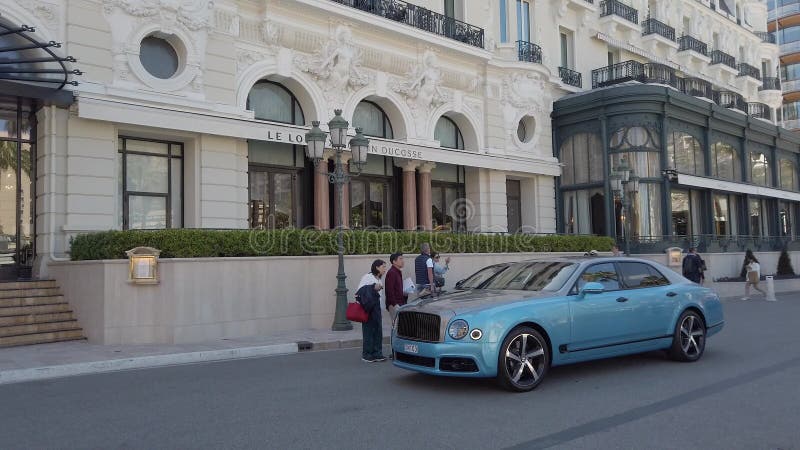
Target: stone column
x=345, y=194
x=409, y=194
x=425, y=199
x=322, y=206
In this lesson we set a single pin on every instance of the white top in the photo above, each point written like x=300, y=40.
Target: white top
x=429, y=263
x=368, y=279
x=755, y=267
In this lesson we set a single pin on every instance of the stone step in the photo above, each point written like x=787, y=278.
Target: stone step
x=27, y=319
x=46, y=327
x=38, y=309
x=41, y=338
x=28, y=292
x=32, y=284
x=31, y=301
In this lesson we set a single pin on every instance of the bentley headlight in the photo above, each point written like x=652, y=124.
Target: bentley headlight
x=458, y=329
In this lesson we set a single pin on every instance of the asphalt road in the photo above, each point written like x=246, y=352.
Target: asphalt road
x=743, y=394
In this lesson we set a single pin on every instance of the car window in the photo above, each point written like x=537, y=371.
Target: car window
x=639, y=275
x=533, y=276
x=604, y=273
x=475, y=280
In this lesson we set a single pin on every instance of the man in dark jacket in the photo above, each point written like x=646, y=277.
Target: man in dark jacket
x=693, y=266
x=423, y=271
x=395, y=297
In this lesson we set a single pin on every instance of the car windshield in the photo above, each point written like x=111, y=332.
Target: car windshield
x=475, y=280
x=533, y=276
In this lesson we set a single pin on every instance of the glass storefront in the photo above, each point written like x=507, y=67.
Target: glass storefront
x=17, y=178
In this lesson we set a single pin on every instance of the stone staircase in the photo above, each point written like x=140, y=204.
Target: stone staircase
x=35, y=312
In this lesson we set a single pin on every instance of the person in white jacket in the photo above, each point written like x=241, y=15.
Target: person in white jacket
x=753, y=277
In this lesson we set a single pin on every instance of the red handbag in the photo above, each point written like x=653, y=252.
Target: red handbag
x=356, y=313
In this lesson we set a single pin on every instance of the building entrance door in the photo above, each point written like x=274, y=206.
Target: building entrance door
x=17, y=180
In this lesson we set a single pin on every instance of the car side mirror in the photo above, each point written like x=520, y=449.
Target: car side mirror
x=592, y=288
x=459, y=283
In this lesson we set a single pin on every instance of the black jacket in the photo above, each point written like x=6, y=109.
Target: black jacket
x=370, y=299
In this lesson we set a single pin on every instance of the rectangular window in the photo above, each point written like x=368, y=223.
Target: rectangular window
x=681, y=213
x=450, y=8
x=369, y=203
x=503, y=21
x=151, y=183
x=446, y=211
x=756, y=214
x=272, y=198
x=523, y=20
x=566, y=51
x=722, y=217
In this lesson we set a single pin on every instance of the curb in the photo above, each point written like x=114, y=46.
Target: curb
x=142, y=362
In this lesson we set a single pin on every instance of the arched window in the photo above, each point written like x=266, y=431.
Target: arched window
x=788, y=175
x=640, y=147
x=373, y=120
x=272, y=101
x=725, y=162
x=448, y=134
x=685, y=153
x=759, y=169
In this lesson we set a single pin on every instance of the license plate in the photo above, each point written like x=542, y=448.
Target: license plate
x=411, y=348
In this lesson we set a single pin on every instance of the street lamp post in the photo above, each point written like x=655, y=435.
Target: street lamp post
x=316, y=140
x=625, y=185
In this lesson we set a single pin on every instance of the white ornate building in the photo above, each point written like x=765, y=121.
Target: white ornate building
x=191, y=113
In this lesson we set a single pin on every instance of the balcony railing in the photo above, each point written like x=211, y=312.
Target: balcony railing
x=686, y=43
x=765, y=36
x=420, y=18
x=617, y=73
x=746, y=70
x=759, y=110
x=570, y=77
x=617, y=8
x=529, y=52
x=770, y=84
x=720, y=57
x=654, y=26
x=732, y=100
x=696, y=87
x=655, y=73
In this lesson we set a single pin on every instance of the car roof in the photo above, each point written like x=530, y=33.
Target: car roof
x=580, y=259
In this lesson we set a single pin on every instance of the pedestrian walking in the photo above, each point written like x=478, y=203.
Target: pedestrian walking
x=395, y=297
x=753, y=277
x=423, y=271
x=692, y=266
x=440, y=269
x=368, y=294
x=615, y=251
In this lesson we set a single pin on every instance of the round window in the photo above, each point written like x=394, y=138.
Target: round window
x=525, y=129
x=158, y=57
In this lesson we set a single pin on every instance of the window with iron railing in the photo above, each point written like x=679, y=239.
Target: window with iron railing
x=617, y=8
x=689, y=43
x=654, y=26
x=720, y=57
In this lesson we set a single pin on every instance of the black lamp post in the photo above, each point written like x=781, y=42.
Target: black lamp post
x=625, y=185
x=315, y=149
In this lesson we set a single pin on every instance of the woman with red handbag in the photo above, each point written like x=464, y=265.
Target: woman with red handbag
x=368, y=295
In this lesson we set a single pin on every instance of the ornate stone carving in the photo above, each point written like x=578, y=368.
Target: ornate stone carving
x=193, y=14
x=422, y=86
x=337, y=65
x=47, y=12
x=270, y=33
x=526, y=91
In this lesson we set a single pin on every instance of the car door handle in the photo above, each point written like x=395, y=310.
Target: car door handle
x=671, y=294
x=622, y=299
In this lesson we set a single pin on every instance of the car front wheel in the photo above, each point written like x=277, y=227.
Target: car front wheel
x=523, y=360
x=689, y=340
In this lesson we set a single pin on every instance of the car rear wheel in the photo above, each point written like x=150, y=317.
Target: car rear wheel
x=523, y=360
x=689, y=341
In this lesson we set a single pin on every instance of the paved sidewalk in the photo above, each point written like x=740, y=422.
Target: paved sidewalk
x=44, y=361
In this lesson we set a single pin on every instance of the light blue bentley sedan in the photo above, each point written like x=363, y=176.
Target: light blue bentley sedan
x=513, y=321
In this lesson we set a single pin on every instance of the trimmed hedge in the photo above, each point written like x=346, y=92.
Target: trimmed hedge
x=198, y=243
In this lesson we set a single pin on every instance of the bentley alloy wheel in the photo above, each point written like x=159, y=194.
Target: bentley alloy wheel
x=689, y=341
x=524, y=359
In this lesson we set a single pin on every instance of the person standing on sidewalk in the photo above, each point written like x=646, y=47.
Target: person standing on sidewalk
x=692, y=266
x=753, y=277
x=423, y=271
x=395, y=297
x=368, y=294
x=439, y=269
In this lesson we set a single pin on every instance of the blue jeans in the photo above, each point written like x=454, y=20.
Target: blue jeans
x=372, y=332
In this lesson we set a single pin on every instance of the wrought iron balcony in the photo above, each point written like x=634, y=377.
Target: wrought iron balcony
x=746, y=70
x=696, y=87
x=720, y=57
x=654, y=26
x=770, y=84
x=617, y=8
x=686, y=43
x=529, y=52
x=766, y=37
x=420, y=18
x=570, y=77
x=759, y=110
x=617, y=73
x=732, y=100
x=655, y=73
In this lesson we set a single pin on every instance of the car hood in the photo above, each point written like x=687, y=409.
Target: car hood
x=472, y=301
